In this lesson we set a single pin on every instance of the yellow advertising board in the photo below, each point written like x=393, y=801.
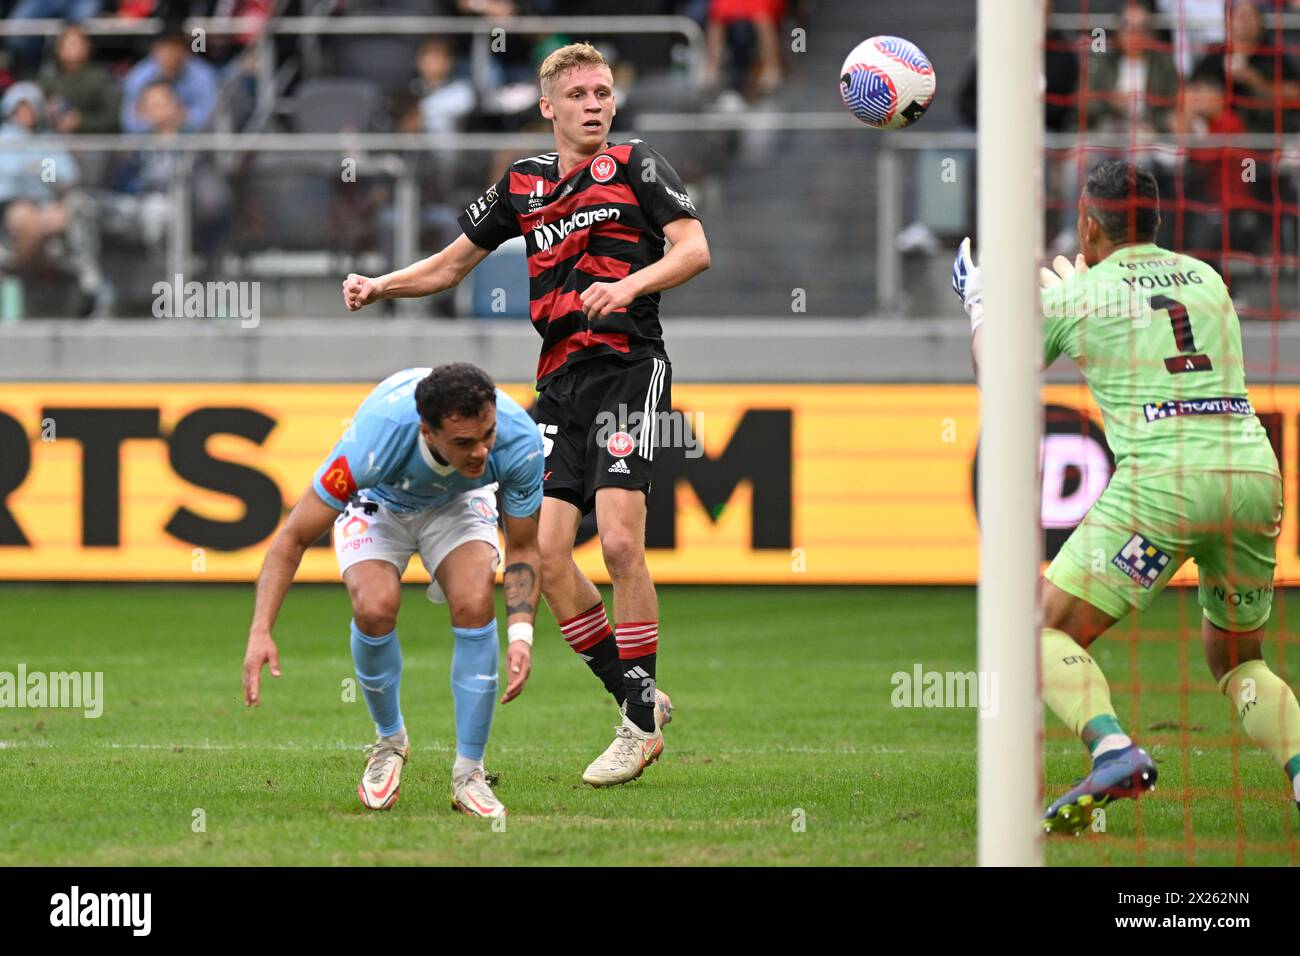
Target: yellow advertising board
x=792, y=484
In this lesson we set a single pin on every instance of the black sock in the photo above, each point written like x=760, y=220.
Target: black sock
x=603, y=660
x=589, y=636
x=638, y=645
x=639, y=687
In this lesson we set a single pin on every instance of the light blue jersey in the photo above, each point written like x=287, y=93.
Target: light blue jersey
x=382, y=452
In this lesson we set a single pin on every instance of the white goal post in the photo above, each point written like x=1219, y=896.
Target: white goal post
x=1010, y=63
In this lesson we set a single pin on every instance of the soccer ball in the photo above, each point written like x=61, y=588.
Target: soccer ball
x=887, y=82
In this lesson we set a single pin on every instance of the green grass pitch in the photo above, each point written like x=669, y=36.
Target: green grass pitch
x=785, y=747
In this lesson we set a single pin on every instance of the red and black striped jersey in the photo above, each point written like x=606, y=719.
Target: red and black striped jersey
x=600, y=223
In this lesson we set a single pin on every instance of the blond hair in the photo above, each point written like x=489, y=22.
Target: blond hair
x=563, y=60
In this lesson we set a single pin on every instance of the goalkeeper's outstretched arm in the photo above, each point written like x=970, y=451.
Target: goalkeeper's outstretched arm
x=966, y=283
x=441, y=271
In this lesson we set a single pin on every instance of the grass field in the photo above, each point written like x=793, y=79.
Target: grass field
x=784, y=713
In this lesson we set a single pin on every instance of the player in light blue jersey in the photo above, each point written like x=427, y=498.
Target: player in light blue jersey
x=417, y=471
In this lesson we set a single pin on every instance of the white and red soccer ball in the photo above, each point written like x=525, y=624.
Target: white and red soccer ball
x=887, y=82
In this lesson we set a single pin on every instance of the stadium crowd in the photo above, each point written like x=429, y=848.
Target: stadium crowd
x=179, y=81
x=1220, y=71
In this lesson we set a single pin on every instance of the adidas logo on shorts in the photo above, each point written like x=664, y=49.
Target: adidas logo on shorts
x=619, y=468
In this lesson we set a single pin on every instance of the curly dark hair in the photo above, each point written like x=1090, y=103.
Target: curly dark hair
x=457, y=388
x=1125, y=201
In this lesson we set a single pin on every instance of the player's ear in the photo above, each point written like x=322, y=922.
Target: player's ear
x=545, y=106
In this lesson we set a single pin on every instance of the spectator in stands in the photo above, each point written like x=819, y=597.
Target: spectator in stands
x=1216, y=175
x=142, y=183
x=28, y=50
x=40, y=202
x=1134, y=84
x=1198, y=25
x=1264, y=80
x=739, y=27
x=192, y=77
x=446, y=100
x=83, y=97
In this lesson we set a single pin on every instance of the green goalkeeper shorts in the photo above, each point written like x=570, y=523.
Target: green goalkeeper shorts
x=1141, y=530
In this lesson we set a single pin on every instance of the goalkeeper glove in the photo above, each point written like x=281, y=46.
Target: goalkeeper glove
x=1065, y=269
x=966, y=282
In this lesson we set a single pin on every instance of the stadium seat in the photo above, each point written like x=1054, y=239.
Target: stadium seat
x=335, y=105
x=388, y=61
x=285, y=203
x=506, y=270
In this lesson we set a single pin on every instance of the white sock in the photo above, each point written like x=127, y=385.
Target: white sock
x=464, y=766
x=1295, y=785
x=1111, y=742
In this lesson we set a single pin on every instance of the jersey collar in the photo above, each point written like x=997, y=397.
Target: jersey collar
x=442, y=471
x=581, y=166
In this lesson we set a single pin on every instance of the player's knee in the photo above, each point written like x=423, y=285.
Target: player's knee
x=375, y=615
x=623, y=553
x=472, y=606
x=556, y=557
x=1227, y=650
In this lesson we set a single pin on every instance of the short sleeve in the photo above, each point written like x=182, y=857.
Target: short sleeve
x=362, y=458
x=489, y=221
x=657, y=187
x=521, y=484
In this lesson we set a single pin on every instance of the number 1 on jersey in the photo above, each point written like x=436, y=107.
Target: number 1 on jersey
x=1181, y=321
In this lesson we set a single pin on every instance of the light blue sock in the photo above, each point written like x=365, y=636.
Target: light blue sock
x=474, y=686
x=379, y=672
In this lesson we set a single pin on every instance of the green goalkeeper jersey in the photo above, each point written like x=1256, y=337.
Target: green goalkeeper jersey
x=1159, y=343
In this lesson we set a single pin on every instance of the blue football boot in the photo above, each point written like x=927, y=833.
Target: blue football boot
x=1129, y=772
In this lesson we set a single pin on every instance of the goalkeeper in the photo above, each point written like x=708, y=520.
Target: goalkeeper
x=1159, y=343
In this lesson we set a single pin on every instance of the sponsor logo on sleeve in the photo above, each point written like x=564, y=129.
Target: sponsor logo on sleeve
x=478, y=209
x=337, y=480
x=682, y=199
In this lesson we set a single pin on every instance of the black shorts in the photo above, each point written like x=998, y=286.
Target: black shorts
x=601, y=423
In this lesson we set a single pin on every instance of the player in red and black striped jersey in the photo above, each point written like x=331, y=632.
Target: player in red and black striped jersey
x=602, y=220
x=606, y=229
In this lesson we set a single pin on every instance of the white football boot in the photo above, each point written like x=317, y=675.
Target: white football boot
x=382, y=778
x=471, y=794
x=631, y=752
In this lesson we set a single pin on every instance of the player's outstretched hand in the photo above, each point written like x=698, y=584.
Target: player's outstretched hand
x=519, y=664
x=359, y=291
x=965, y=275
x=966, y=282
x=261, y=650
x=1064, y=269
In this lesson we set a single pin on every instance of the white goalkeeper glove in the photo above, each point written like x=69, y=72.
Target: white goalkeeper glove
x=1065, y=269
x=966, y=282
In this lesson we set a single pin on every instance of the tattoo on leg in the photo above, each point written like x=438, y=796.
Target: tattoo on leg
x=518, y=581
